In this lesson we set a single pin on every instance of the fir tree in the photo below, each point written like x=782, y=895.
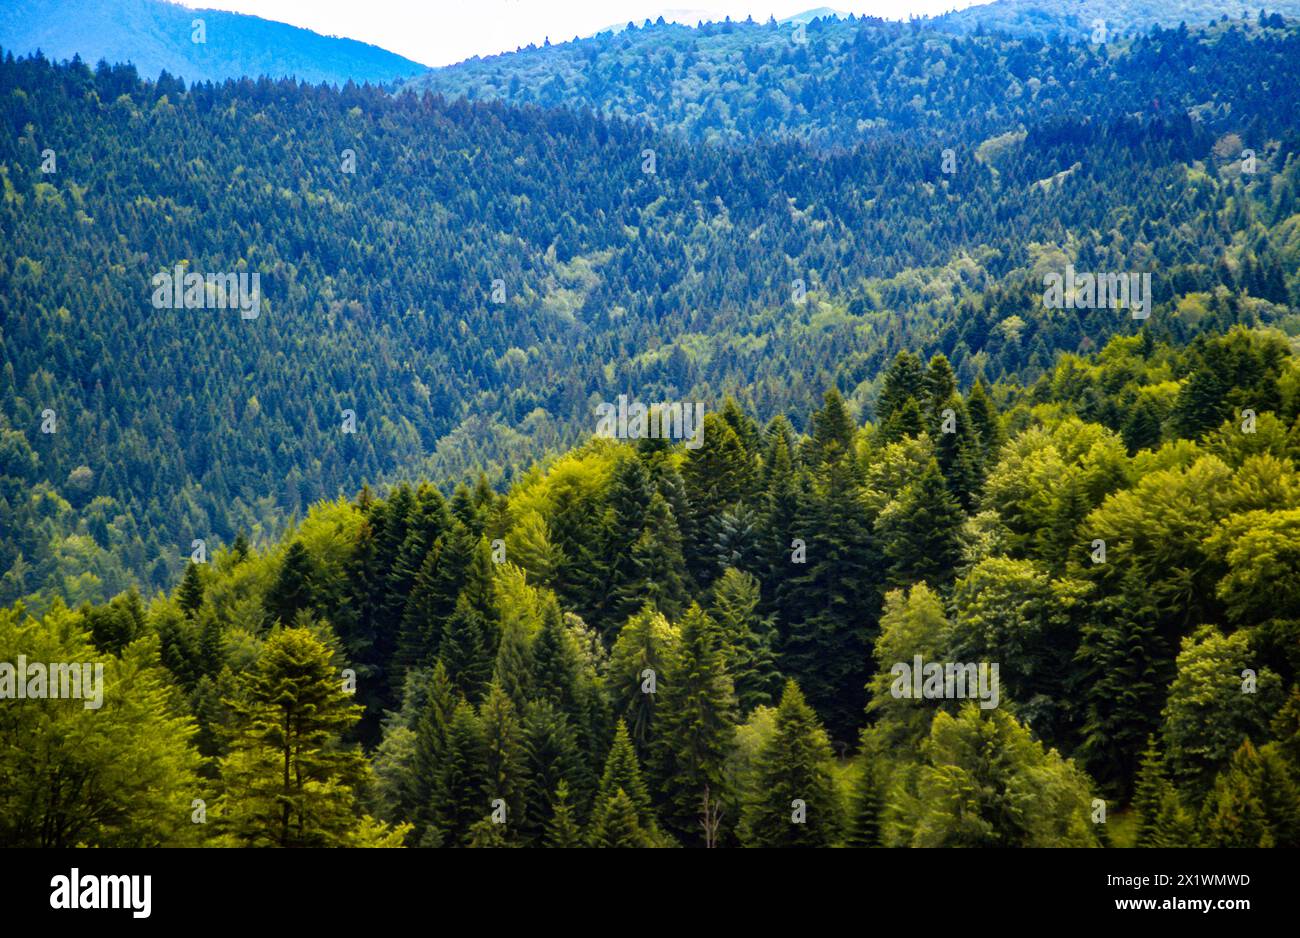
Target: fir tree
x=793, y=801
x=190, y=593
x=921, y=539
x=696, y=725
x=291, y=591
x=562, y=830
x=614, y=824
x=463, y=650
x=288, y=780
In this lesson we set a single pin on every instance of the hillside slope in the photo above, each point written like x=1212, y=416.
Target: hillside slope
x=157, y=36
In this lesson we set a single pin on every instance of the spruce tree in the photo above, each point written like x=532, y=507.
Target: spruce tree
x=793, y=799
x=748, y=637
x=551, y=756
x=921, y=540
x=904, y=380
x=190, y=593
x=292, y=589
x=562, y=830
x=504, y=757
x=458, y=800
x=288, y=779
x=463, y=650
x=983, y=415
x=623, y=773
x=696, y=726
x=614, y=824
x=867, y=805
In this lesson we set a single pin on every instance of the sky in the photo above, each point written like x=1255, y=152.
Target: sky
x=440, y=32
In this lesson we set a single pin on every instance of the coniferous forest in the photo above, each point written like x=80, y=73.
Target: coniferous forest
x=364, y=569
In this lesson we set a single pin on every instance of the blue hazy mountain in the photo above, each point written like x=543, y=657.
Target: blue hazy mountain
x=153, y=36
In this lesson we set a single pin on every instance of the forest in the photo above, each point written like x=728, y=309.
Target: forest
x=361, y=570
x=644, y=645
x=380, y=284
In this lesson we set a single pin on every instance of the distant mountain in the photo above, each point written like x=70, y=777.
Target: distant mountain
x=1076, y=18
x=156, y=36
x=839, y=81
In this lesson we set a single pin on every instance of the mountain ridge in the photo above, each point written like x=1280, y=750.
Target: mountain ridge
x=157, y=36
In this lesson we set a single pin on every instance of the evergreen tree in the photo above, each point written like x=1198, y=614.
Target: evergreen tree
x=190, y=592
x=504, y=776
x=1254, y=802
x=643, y=655
x=983, y=415
x=614, y=824
x=748, y=637
x=921, y=538
x=562, y=830
x=288, y=780
x=464, y=652
x=292, y=590
x=458, y=800
x=1123, y=669
x=655, y=572
x=695, y=726
x=623, y=773
x=833, y=429
x=793, y=802
x=1142, y=430
x=551, y=756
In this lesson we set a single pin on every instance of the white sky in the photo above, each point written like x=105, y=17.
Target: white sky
x=440, y=32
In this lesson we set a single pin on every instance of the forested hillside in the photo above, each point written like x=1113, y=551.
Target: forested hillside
x=644, y=645
x=686, y=283
x=356, y=558
x=1046, y=18
x=159, y=36
x=841, y=81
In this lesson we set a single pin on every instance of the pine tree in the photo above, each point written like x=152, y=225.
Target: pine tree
x=623, y=773
x=696, y=725
x=288, y=780
x=292, y=590
x=458, y=800
x=748, y=637
x=190, y=592
x=562, y=831
x=793, y=800
x=922, y=538
x=614, y=824
x=463, y=650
